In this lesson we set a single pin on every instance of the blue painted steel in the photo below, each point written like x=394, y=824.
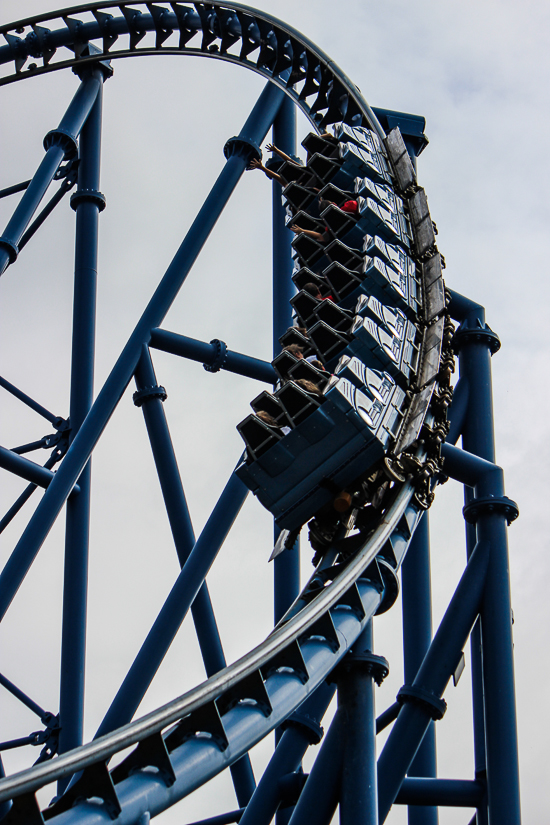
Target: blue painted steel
x=459, y=793
x=206, y=353
x=436, y=670
x=30, y=402
x=286, y=759
x=184, y=539
x=358, y=795
x=287, y=565
x=319, y=797
x=417, y=635
x=44, y=715
x=40, y=524
x=175, y=608
x=4, y=806
x=493, y=677
x=75, y=587
x=27, y=469
x=59, y=144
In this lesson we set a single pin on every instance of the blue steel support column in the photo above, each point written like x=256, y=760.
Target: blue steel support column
x=417, y=635
x=87, y=202
x=286, y=567
x=184, y=540
x=59, y=144
x=302, y=729
x=240, y=151
x=493, y=688
x=358, y=794
x=287, y=564
x=319, y=797
x=423, y=702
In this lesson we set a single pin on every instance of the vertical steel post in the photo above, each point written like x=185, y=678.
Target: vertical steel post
x=358, y=794
x=495, y=733
x=87, y=202
x=287, y=565
x=319, y=797
x=184, y=540
x=417, y=636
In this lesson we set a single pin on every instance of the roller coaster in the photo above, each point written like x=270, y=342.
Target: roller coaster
x=358, y=429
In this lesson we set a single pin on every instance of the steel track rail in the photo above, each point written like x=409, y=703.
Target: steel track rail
x=198, y=759
x=284, y=55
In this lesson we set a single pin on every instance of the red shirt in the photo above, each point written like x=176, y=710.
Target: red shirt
x=349, y=206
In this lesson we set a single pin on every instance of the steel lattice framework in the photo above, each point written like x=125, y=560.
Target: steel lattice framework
x=323, y=638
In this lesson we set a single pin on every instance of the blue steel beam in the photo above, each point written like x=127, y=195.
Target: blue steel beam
x=417, y=635
x=25, y=495
x=453, y=793
x=252, y=133
x=286, y=568
x=44, y=715
x=59, y=144
x=320, y=794
x=27, y=469
x=184, y=540
x=358, y=794
x=208, y=354
x=175, y=608
x=30, y=402
x=431, y=680
x=87, y=203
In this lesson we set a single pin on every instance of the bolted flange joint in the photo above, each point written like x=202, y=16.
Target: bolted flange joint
x=89, y=196
x=148, y=394
x=311, y=727
x=11, y=248
x=472, y=335
x=220, y=357
x=242, y=147
x=481, y=506
x=60, y=137
x=435, y=706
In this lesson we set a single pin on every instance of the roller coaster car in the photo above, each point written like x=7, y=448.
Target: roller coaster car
x=376, y=383
x=318, y=144
x=305, y=221
x=294, y=336
x=266, y=401
x=365, y=188
x=309, y=251
x=304, y=305
x=325, y=169
x=283, y=363
x=300, y=198
x=304, y=370
x=337, y=318
x=365, y=138
x=336, y=195
x=305, y=276
x=376, y=219
x=331, y=448
x=372, y=344
x=297, y=403
x=354, y=259
x=342, y=224
x=360, y=161
x=258, y=436
x=295, y=173
x=393, y=320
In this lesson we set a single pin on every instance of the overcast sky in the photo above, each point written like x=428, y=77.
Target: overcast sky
x=479, y=73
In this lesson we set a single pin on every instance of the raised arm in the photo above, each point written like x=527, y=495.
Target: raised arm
x=257, y=164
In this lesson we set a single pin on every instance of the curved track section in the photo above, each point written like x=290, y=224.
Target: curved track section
x=188, y=741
